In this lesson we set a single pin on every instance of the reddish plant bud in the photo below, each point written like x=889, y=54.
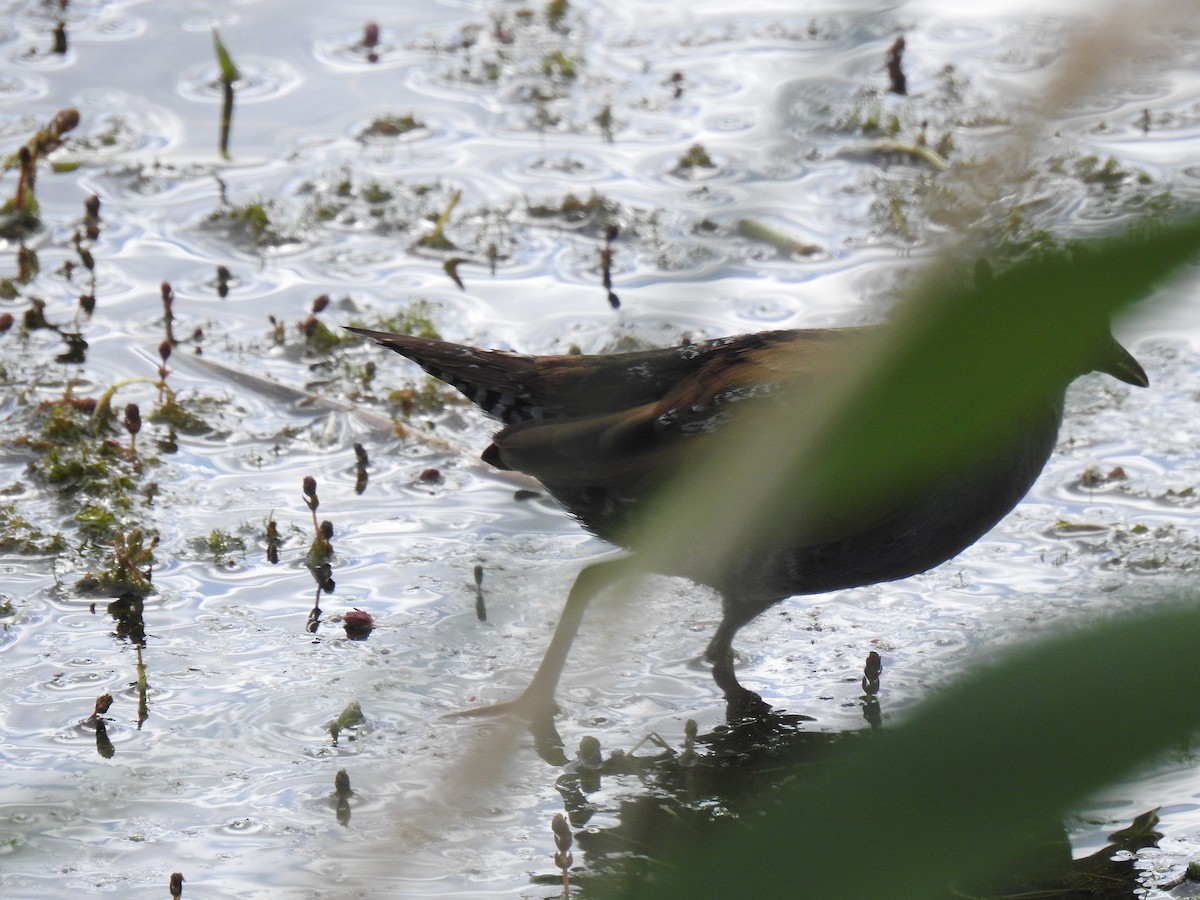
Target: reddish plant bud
x=66, y=120
x=133, y=418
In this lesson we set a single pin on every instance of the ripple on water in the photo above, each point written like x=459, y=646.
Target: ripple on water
x=20, y=88
x=33, y=54
x=570, y=168
x=261, y=79
x=111, y=25
x=347, y=53
x=124, y=123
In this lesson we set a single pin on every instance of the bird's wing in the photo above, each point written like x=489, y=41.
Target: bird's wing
x=632, y=449
x=516, y=388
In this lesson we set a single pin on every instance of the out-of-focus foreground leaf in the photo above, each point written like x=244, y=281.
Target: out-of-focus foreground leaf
x=947, y=796
x=951, y=796
x=938, y=384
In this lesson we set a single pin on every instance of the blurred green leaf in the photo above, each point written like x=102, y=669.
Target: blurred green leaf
x=939, y=384
x=952, y=796
x=947, y=797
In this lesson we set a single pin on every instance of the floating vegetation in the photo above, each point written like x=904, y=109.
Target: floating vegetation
x=538, y=60
x=223, y=546
x=99, y=480
x=607, y=255
x=870, y=119
x=606, y=123
x=563, y=858
x=20, y=536
x=272, y=539
x=696, y=157
x=556, y=13
x=557, y=64
x=436, y=239
x=416, y=319
x=318, y=338
x=350, y=719
x=75, y=454
x=1108, y=174
x=128, y=573
x=391, y=127
x=388, y=206
x=185, y=419
x=423, y=398
x=252, y=224
x=885, y=149
x=595, y=210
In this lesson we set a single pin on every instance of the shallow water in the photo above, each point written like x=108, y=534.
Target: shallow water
x=229, y=777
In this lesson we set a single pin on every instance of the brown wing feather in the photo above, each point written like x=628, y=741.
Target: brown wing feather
x=633, y=448
x=516, y=388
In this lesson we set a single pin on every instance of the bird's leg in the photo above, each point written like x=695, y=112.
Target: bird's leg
x=537, y=700
x=740, y=702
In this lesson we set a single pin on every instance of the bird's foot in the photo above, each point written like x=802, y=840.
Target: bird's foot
x=740, y=703
x=536, y=708
x=743, y=704
x=532, y=706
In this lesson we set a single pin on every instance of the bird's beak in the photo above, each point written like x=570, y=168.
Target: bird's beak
x=1120, y=364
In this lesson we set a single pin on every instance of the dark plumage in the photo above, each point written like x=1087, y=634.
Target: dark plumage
x=604, y=433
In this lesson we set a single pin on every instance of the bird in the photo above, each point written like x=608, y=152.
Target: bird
x=603, y=433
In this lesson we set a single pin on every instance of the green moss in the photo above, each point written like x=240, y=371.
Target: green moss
x=1108, y=174
x=596, y=207
x=696, y=158
x=250, y=223
x=222, y=546
x=321, y=339
x=556, y=11
x=604, y=119
x=20, y=536
x=351, y=717
x=96, y=477
x=129, y=568
x=558, y=64
x=392, y=126
x=430, y=397
x=69, y=420
x=870, y=119
x=16, y=223
x=172, y=413
x=375, y=192
x=96, y=522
